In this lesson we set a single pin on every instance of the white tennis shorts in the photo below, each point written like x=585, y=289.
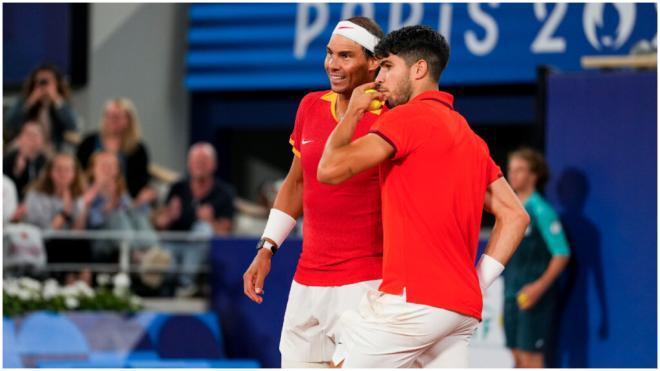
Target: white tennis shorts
x=387, y=332
x=309, y=332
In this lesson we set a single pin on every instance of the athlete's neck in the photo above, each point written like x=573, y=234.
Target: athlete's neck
x=423, y=87
x=342, y=104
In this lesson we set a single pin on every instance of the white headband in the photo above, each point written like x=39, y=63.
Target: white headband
x=356, y=33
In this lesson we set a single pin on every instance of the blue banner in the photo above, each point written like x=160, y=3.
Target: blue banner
x=282, y=46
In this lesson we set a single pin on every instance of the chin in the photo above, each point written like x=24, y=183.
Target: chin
x=391, y=103
x=339, y=89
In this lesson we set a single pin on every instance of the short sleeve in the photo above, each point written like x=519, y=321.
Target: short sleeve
x=493, y=171
x=395, y=128
x=552, y=231
x=223, y=202
x=296, y=136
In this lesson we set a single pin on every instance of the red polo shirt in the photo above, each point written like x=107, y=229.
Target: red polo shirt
x=342, y=230
x=433, y=191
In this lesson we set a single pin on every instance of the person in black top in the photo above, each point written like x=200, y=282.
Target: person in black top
x=201, y=204
x=120, y=134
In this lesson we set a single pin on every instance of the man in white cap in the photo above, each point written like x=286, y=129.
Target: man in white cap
x=342, y=236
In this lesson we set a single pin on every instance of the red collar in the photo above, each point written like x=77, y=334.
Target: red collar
x=436, y=95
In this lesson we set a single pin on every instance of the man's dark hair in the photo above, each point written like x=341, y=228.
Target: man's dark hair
x=371, y=26
x=31, y=83
x=413, y=43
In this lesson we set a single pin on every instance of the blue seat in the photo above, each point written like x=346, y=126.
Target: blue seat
x=10, y=351
x=45, y=333
x=188, y=337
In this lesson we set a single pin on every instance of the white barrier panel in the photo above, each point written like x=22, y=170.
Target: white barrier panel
x=487, y=347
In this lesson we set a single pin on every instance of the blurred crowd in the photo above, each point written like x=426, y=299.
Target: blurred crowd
x=55, y=179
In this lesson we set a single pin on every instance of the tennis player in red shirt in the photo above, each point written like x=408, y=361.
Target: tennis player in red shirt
x=342, y=230
x=436, y=177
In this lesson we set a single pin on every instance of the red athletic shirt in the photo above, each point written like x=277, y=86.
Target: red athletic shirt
x=433, y=190
x=342, y=230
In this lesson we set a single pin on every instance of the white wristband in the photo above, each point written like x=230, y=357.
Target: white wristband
x=279, y=226
x=488, y=269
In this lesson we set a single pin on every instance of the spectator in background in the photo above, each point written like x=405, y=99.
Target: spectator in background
x=530, y=292
x=199, y=199
x=120, y=134
x=106, y=202
x=55, y=202
x=23, y=163
x=9, y=199
x=46, y=97
x=201, y=203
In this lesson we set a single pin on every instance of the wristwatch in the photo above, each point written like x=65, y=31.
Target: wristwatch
x=67, y=217
x=266, y=244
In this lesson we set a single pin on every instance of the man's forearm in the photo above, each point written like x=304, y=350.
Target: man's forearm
x=343, y=133
x=505, y=238
x=556, y=266
x=334, y=164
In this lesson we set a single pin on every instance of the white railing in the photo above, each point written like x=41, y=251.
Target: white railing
x=124, y=239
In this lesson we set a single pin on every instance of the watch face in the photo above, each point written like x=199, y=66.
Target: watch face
x=265, y=244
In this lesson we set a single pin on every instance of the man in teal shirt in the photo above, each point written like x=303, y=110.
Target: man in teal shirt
x=529, y=279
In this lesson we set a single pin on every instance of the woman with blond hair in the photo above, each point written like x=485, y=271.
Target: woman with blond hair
x=120, y=134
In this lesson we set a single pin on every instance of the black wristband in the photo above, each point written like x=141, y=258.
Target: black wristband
x=260, y=245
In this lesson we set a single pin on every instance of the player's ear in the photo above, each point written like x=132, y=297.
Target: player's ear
x=420, y=69
x=373, y=63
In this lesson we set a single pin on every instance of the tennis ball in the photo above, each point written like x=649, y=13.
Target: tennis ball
x=522, y=299
x=375, y=104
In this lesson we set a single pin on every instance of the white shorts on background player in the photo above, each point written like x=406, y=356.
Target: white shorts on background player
x=387, y=332
x=309, y=332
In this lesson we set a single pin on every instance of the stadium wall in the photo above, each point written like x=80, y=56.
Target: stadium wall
x=601, y=145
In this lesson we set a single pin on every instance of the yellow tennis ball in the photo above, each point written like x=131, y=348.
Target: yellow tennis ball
x=522, y=299
x=375, y=104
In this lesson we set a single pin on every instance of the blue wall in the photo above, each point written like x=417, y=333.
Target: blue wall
x=34, y=34
x=251, y=330
x=602, y=149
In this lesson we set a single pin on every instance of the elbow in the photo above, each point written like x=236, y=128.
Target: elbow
x=516, y=218
x=326, y=176
x=523, y=219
